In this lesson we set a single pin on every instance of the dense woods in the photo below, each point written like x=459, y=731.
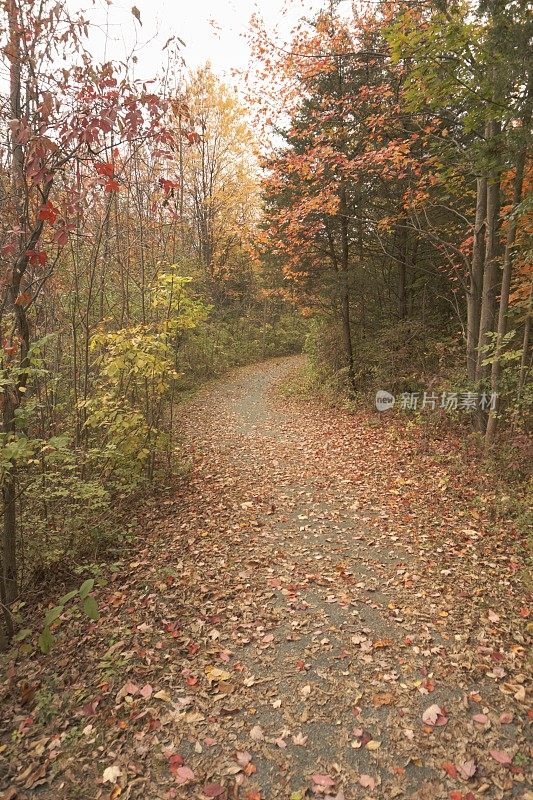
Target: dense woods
x=397, y=207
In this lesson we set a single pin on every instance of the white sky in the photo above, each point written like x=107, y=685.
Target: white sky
x=211, y=29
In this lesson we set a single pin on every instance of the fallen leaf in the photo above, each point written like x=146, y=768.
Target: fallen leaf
x=184, y=775
x=111, y=774
x=450, y=769
x=467, y=769
x=323, y=780
x=243, y=758
x=373, y=745
x=213, y=790
x=257, y=733
x=215, y=675
x=299, y=740
x=501, y=757
x=434, y=716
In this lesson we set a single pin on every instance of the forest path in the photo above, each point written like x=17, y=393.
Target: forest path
x=316, y=585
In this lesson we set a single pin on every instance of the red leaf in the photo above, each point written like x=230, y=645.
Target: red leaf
x=36, y=257
x=105, y=168
x=112, y=185
x=323, y=780
x=174, y=762
x=450, y=769
x=48, y=213
x=213, y=790
x=501, y=757
x=61, y=237
x=184, y=775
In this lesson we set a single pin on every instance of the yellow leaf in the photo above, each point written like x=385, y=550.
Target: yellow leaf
x=163, y=695
x=214, y=674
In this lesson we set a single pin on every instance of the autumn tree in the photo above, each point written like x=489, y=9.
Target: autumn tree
x=219, y=171
x=60, y=122
x=476, y=67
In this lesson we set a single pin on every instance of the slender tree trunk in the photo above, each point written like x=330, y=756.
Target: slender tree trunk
x=490, y=271
x=473, y=298
x=524, y=364
x=504, y=300
x=10, y=396
x=402, y=272
x=9, y=491
x=345, y=288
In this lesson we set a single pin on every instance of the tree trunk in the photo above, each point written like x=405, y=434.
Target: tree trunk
x=10, y=395
x=345, y=289
x=524, y=365
x=402, y=272
x=9, y=493
x=490, y=271
x=473, y=298
x=504, y=300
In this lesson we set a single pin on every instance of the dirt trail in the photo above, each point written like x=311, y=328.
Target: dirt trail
x=318, y=583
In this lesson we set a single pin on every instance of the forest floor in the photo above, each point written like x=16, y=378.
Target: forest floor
x=323, y=609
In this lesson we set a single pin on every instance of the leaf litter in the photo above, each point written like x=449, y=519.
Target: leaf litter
x=311, y=614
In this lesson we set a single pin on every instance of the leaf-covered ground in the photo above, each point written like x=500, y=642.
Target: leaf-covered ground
x=322, y=610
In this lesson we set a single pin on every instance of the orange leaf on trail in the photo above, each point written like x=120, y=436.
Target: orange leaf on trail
x=450, y=769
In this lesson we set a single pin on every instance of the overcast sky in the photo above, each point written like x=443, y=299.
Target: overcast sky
x=211, y=29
